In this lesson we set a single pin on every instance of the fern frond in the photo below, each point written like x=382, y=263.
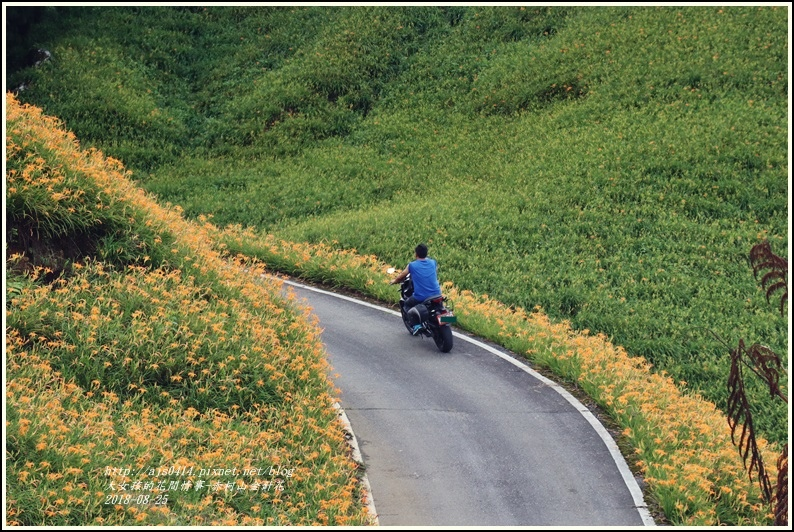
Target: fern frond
x=740, y=416
x=762, y=258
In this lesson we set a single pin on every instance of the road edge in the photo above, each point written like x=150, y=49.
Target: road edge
x=353, y=442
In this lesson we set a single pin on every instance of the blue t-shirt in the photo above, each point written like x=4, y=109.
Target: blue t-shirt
x=423, y=274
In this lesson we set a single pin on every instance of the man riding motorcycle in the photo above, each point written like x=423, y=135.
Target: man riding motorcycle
x=424, y=274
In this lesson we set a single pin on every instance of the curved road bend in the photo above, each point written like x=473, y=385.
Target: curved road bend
x=471, y=437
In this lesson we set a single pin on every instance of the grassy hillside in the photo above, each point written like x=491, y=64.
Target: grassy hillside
x=136, y=355
x=176, y=336
x=166, y=309
x=612, y=165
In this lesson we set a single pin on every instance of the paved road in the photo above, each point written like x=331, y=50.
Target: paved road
x=471, y=437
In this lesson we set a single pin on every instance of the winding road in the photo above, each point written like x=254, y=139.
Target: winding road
x=468, y=438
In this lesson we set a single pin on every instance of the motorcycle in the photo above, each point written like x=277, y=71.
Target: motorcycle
x=434, y=317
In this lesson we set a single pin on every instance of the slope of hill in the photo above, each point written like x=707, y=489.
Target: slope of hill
x=149, y=380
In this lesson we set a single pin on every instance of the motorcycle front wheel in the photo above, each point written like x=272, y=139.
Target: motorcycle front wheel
x=443, y=338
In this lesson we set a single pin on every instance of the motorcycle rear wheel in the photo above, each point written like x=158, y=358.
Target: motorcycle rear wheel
x=443, y=338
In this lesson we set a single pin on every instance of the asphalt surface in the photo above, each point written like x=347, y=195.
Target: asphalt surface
x=471, y=437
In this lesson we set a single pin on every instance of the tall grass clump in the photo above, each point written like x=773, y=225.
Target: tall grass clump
x=189, y=382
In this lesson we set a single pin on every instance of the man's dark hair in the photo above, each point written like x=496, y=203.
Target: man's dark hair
x=421, y=251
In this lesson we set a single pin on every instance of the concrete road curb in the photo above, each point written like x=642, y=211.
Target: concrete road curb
x=351, y=436
x=360, y=461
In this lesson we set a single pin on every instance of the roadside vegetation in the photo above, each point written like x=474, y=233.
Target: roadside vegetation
x=590, y=179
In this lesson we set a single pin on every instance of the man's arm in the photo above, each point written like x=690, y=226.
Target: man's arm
x=401, y=277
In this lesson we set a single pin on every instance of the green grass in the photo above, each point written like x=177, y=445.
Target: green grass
x=612, y=165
